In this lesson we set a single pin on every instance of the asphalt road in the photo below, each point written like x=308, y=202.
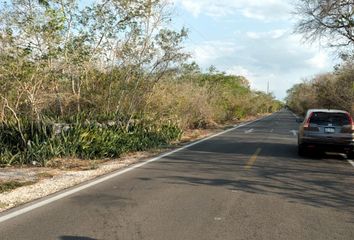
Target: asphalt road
x=248, y=183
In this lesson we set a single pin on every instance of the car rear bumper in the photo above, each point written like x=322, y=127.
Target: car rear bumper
x=328, y=140
x=342, y=145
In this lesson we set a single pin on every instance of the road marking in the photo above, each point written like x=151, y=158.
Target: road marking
x=249, y=131
x=351, y=162
x=294, y=115
x=294, y=132
x=253, y=159
x=48, y=200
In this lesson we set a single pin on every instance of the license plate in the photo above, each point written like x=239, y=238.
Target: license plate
x=329, y=130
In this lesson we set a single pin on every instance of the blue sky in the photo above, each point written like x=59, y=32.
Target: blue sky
x=253, y=38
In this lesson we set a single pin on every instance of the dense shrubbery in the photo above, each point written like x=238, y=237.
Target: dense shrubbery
x=177, y=102
x=40, y=143
x=198, y=100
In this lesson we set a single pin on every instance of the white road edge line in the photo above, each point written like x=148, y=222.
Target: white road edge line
x=351, y=162
x=294, y=132
x=249, y=131
x=103, y=179
x=296, y=116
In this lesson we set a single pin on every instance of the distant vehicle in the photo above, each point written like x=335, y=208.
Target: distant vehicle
x=327, y=131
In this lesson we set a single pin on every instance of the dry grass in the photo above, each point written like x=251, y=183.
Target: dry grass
x=3, y=205
x=44, y=175
x=191, y=135
x=74, y=164
x=6, y=186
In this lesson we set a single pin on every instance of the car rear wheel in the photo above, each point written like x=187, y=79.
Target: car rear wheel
x=301, y=150
x=350, y=155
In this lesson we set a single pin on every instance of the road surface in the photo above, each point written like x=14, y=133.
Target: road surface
x=248, y=183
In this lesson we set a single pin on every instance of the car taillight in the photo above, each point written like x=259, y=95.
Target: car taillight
x=307, y=123
x=351, y=121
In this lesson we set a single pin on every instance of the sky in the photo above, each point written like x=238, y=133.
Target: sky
x=253, y=38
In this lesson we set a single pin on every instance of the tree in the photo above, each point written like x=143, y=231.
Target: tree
x=301, y=97
x=331, y=90
x=59, y=57
x=345, y=85
x=331, y=19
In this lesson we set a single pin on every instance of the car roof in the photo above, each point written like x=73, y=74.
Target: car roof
x=327, y=110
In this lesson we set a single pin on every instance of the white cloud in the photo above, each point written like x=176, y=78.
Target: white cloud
x=273, y=34
x=193, y=7
x=320, y=60
x=209, y=51
x=253, y=35
x=239, y=70
x=276, y=56
x=278, y=33
x=262, y=51
x=282, y=59
x=255, y=9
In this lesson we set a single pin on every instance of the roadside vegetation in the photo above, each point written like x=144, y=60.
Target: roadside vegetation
x=331, y=21
x=330, y=91
x=105, y=79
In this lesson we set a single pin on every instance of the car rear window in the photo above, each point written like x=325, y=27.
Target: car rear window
x=335, y=119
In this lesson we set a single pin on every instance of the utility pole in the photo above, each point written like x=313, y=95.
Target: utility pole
x=267, y=94
x=268, y=87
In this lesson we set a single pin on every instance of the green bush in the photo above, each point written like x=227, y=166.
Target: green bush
x=87, y=141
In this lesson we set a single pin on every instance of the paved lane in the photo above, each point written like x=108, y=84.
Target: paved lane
x=246, y=184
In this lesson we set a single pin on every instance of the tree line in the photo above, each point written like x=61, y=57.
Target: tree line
x=333, y=90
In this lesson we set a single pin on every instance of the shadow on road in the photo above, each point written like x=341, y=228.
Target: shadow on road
x=75, y=238
x=319, y=182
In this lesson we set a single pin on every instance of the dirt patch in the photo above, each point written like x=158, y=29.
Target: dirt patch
x=74, y=164
x=6, y=186
x=44, y=175
x=24, y=174
x=191, y=135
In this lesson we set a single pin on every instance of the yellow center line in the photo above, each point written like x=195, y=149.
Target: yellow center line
x=253, y=159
